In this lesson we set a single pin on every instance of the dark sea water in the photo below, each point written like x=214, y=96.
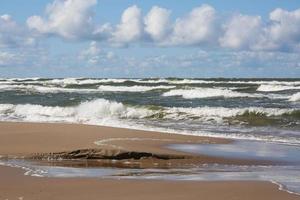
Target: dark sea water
x=256, y=109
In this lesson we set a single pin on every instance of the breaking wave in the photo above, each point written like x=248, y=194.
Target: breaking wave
x=132, y=88
x=208, y=93
x=100, y=110
x=155, y=118
x=295, y=97
x=102, y=88
x=44, y=89
x=274, y=88
x=75, y=81
x=92, y=111
x=83, y=81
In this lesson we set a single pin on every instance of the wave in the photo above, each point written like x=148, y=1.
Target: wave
x=75, y=81
x=274, y=88
x=207, y=81
x=222, y=112
x=83, y=81
x=102, y=88
x=155, y=118
x=295, y=97
x=44, y=89
x=208, y=93
x=62, y=82
x=132, y=88
x=254, y=116
x=100, y=109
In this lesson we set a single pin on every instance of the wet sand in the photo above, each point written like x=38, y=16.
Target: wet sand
x=14, y=185
x=26, y=139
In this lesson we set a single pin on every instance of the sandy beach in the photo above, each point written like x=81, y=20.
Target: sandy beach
x=27, y=139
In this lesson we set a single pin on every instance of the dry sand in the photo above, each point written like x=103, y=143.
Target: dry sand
x=27, y=138
x=23, y=139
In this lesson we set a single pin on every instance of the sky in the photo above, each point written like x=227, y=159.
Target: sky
x=130, y=38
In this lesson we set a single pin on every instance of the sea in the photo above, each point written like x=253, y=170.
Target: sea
x=253, y=109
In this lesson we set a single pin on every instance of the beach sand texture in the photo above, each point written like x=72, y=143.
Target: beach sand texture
x=25, y=139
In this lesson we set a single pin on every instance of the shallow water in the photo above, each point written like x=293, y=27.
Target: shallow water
x=243, y=149
x=287, y=177
x=286, y=173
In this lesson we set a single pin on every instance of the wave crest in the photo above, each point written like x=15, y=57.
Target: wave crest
x=91, y=111
x=100, y=111
x=295, y=97
x=135, y=88
x=208, y=93
x=275, y=88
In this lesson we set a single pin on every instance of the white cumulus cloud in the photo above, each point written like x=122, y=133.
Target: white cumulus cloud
x=13, y=35
x=198, y=27
x=130, y=27
x=285, y=28
x=280, y=33
x=241, y=32
x=93, y=54
x=157, y=23
x=71, y=19
x=203, y=26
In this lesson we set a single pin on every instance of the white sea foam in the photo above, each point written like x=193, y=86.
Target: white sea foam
x=82, y=81
x=207, y=81
x=76, y=81
x=295, y=97
x=93, y=111
x=110, y=113
x=102, y=88
x=194, y=93
x=44, y=89
x=274, y=88
x=223, y=112
x=131, y=88
x=102, y=111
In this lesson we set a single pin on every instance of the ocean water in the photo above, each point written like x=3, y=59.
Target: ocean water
x=255, y=109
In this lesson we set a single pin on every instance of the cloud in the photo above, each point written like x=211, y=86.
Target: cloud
x=198, y=27
x=13, y=35
x=241, y=32
x=285, y=28
x=23, y=57
x=66, y=19
x=91, y=54
x=202, y=27
x=130, y=27
x=230, y=45
x=94, y=55
x=70, y=19
x=157, y=23
x=280, y=33
x=220, y=63
x=6, y=58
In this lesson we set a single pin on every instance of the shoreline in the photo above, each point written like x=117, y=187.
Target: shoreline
x=27, y=139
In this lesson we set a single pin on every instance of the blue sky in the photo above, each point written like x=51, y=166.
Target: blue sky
x=125, y=38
